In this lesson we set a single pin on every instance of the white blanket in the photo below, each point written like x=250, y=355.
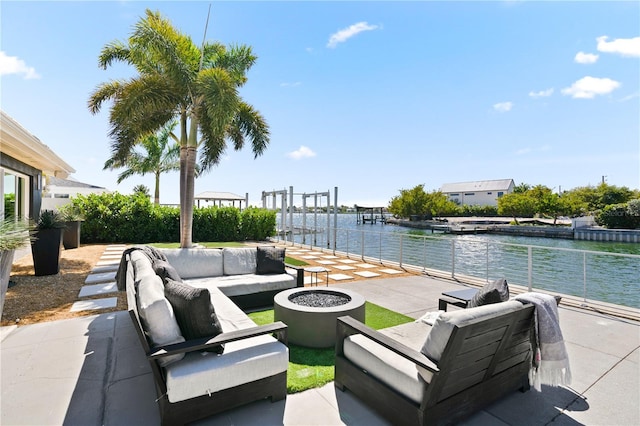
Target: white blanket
x=550, y=365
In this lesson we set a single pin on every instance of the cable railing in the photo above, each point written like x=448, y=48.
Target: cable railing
x=587, y=275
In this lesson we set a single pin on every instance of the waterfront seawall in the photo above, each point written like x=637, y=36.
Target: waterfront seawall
x=614, y=235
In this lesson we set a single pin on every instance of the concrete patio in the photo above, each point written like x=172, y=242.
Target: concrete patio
x=92, y=371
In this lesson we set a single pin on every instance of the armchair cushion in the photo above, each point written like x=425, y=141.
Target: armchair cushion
x=493, y=292
x=438, y=337
x=194, y=312
x=270, y=260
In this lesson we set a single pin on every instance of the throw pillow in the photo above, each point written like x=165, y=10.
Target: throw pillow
x=270, y=260
x=493, y=292
x=165, y=271
x=194, y=312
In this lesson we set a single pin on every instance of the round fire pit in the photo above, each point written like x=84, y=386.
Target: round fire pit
x=311, y=314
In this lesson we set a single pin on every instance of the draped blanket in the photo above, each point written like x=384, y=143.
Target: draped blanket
x=550, y=364
x=121, y=275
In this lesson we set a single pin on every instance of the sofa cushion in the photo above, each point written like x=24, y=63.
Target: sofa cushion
x=244, y=361
x=194, y=312
x=493, y=292
x=239, y=260
x=238, y=285
x=394, y=370
x=438, y=337
x=270, y=260
x=165, y=271
x=157, y=316
x=141, y=266
x=195, y=263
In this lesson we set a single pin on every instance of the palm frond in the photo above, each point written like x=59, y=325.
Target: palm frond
x=155, y=41
x=114, y=51
x=219, y=98
x=102, y=93
x=252, y=124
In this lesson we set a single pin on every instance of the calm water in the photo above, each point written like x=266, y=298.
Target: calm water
x=567, y=266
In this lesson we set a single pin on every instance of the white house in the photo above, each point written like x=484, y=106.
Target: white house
x=58, y=192
x=25, y=162
x=478, y=193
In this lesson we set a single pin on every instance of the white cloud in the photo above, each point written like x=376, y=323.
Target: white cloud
x=586, y=58
x=541, y=94
x=621, y=46
x=589, y=87
x=15, y=65
x=346, y=33
x=295, y=84
x=503, y=106
x=630, y=97
x=302, y=152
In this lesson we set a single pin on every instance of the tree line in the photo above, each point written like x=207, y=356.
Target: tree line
x=613, y=206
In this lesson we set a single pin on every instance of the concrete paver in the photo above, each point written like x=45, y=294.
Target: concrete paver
x=91, y=370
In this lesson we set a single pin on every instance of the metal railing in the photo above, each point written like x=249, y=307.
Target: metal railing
x=595, y=275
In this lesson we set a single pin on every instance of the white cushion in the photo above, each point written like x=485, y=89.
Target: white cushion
x=157, y=317
x=237, y=285
x=242, y=362
x=397, y=372
x=438, y=337
x=239, y=260
x=195, y=263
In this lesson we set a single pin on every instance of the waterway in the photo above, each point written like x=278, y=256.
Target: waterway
x=579, y=268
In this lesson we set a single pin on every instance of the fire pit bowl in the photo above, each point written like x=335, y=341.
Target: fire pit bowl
x=314, y=326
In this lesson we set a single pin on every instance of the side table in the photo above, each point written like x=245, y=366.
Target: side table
x=459, y=298
x=315, y=270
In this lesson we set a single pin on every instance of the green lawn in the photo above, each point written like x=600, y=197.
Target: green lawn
x=310, y=368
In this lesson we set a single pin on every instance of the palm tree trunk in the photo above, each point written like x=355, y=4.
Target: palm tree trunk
x=156, y=199
x=185, y=237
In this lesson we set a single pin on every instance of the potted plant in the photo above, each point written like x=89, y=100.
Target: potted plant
x=72, y=224
x=46, y=246
x=13, y=235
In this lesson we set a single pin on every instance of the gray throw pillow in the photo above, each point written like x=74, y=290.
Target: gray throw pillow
x=493, y=292
x=270, y=260
x=194, y=312
x=164, y=270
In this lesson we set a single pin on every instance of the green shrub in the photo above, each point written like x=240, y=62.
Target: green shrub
x=257, y=224
x=620, y=216
x=121, y=218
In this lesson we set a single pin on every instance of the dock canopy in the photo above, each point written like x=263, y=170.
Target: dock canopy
x=219, y=197
x=370, y=214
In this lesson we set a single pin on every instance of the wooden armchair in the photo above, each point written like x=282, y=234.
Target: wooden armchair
x=483, y=360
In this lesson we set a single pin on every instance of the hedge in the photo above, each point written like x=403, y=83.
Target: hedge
x=117, y=218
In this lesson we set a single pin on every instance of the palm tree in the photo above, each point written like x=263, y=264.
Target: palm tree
x=159, y=157
x=176, y=79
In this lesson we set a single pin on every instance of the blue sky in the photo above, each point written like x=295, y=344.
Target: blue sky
x=371, y=97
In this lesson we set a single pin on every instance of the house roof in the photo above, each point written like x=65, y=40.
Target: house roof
x=70, y=183
x=18, y=143
x=223, y=196
x=479, y=185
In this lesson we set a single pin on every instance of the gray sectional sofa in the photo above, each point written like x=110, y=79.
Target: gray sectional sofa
x=237, y=272
x=205, y=353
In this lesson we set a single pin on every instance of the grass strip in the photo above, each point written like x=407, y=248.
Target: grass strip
x=310, y=368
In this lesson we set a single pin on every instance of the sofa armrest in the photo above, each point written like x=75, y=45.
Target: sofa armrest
x=299, y=274
x=347, y=326
x=278, y=328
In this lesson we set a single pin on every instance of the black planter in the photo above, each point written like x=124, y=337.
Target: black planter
x=46, y=251
x=71, y=234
